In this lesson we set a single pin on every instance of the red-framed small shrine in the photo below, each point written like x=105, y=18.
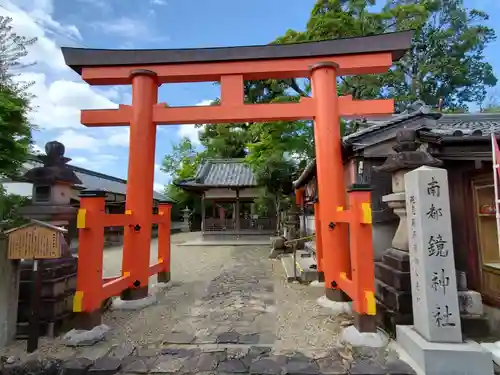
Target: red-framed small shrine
x=347, y=268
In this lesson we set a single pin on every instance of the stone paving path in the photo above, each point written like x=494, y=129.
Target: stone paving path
x=227, y=311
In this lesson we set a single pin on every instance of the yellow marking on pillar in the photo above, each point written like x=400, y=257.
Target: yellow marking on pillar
x=78, y=301
x=80, y=218
x=160, y=260
x=340, y=209
x=343, y=276
x=367, y=213
x=161, y=213
x=371, y=307
x=128, y=212
x=126, y=274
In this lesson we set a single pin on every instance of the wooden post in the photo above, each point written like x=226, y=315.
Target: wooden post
x=237, y=213
x=88, y=295
x=137, y=237
x=330, y=175
x=164, y=230
x=36, y=291
x=203, y=213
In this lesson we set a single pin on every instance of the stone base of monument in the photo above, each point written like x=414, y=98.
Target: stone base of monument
x=78, y=337
x=444, y=358
x=138, y=304
x=350, y=335
x=336, y=307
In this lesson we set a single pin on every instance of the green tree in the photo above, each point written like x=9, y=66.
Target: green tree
x=182, y=163
x=446, y=61
x=276, y=176
x=9, y=208
x=15, y=129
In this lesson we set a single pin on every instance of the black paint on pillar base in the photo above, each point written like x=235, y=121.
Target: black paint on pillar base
x=336, y=295
x=321, y=277
x=365, y=323
x=163, y=277
x=88, y=320
x=131, y=294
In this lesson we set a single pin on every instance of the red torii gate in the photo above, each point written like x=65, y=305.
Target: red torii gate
x=322, y=61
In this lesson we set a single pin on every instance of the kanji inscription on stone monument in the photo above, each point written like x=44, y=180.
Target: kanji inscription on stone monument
x=434, y=287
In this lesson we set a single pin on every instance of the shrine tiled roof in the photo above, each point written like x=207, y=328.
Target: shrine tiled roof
x=214, y=173
x=463, y=126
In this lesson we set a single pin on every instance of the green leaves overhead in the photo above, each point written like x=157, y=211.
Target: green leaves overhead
x=445, y=65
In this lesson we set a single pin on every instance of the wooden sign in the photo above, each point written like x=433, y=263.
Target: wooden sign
x=36, y=240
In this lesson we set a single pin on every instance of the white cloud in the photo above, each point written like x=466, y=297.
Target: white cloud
x=58, y=104
x=160, y=188
x=73, y=140
x=190, y=131
x=158, y=2
x=119, y=136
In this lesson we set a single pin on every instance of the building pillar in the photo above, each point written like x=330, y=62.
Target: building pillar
x=237, y=212
x=137, y=238
x=203, y=213
x=330, y=176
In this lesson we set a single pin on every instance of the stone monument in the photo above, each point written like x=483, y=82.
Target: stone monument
x=392, y=274
x=435, y=340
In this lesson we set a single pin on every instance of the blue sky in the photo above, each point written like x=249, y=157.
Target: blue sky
x=60, y=93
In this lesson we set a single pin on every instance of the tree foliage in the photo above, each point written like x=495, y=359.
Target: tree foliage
x=15, y=129
x=445, y=65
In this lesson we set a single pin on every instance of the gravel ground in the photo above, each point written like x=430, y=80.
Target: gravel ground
x=215, y=290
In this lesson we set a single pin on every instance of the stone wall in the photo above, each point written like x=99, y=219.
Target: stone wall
x=9, y=290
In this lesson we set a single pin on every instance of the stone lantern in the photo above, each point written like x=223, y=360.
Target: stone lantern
x=52, y=190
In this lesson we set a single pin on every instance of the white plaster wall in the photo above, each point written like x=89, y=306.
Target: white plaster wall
x=228, y=193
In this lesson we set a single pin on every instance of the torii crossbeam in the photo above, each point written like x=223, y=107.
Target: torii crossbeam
x=321, y=61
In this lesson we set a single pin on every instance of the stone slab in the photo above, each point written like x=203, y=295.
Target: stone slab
x=444, y=358
x=77, y=337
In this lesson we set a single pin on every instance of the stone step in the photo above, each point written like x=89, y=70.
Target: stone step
x=307, y=269
x=289, y=266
